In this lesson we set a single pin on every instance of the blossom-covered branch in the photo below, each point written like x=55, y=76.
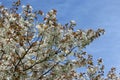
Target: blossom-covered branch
x=48, y=50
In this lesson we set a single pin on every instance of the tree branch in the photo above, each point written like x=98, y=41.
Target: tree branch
x=3, y=52
x=45, y=59
x=47, y=71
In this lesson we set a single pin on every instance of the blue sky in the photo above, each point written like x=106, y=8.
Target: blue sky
x=89, y=14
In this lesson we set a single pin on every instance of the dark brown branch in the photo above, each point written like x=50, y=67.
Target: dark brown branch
x=20, y=60
x=45, y=59
x=47, y=71
x=18, y=57
x=3, y=52
x=23, y=56
x=35, y=64
x=70, y=51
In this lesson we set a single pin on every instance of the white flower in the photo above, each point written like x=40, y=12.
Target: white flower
x=67, y=51
x=6, y=62
x=53, y=16
x=31, y=8
x=70, y=31
x=43, y=45
x=12, y=19
x=21, y=50
x=44, y=25
x=23, y=6
x=73, y=22
x=47, y=16
x=6, y=14
x=73, y=60
x=84, y=36
x=50, y=22
x=38, y=26
x=92, y=70
x=51, y=12
x=28, y=63
x=30, y=24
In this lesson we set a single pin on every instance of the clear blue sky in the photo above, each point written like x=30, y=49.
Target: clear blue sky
x=89, y=14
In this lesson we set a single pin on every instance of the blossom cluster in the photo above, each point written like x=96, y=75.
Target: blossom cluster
x=34, y=50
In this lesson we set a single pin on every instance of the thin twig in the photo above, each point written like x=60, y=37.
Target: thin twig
x=3, y=52
x=47, y=71
x=45, y=59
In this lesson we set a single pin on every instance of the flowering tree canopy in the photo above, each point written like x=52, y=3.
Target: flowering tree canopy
x=48, y=50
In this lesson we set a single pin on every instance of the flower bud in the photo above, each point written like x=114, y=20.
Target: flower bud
x=73, y=22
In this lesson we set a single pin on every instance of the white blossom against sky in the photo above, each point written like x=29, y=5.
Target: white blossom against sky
x=89, y=14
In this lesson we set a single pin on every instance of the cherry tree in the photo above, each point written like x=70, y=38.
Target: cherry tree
x=47, y=50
